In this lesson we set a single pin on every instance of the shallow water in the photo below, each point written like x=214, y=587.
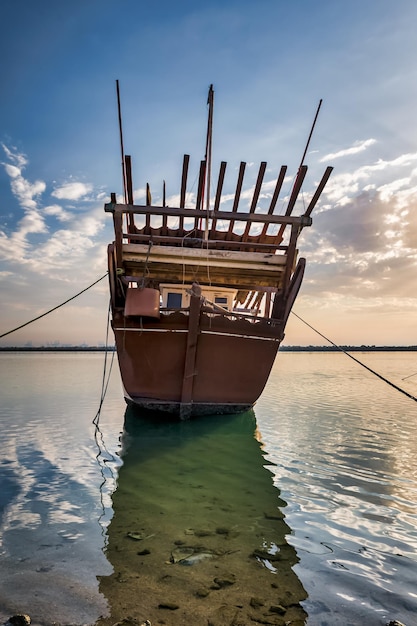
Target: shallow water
x=329, y=446
x=344, y=445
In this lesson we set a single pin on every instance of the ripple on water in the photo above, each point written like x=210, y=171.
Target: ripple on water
x=343, y=446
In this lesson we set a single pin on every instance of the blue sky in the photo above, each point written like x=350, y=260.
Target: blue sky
x=270, y=62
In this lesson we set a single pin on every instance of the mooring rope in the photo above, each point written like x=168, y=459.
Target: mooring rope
x=9, y=332
x=104, y=382
x=101, y=458
x=409, y=395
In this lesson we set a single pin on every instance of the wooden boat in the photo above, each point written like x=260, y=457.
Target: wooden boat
x=200, y=295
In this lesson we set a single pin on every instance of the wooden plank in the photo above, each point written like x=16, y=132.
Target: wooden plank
x=191, y=351
x=185, y=164
x=243, y=279
x=296, y=189
x=164, y=217
x=219, y=215
x=200, y=191
x=319, y=190
x=148, y=203
x=199, y=241
x=274, y=199
x=278, y=186
x=118, y=239
x=129, y=189
x=301, y=174
x=220, y=182
x=183, y=192
x=258, y=186
x=255, y=197
x=237, y=198
x=197, y=255
x=129, y=184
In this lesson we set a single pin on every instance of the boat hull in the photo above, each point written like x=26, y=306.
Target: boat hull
x=228, y=368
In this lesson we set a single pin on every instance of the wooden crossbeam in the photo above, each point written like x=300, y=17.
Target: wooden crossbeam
x=219, y=215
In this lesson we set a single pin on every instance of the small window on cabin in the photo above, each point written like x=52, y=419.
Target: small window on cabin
x=221, y=301
x=174, y=300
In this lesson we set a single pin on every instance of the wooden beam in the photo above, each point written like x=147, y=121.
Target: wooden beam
x=200, y=191
x=277, y=189
x=219, y=215
x=255, y=197
x=274, y=199
x=201, y=256
x=220, y=182
x=185, y=164
x=183, y=192
x=296, y=189
x=301, y=174
x=128, y=162
x=191, y=351
x=129, y=189
x=319, y=190
x=199, y=241
x=237, y=197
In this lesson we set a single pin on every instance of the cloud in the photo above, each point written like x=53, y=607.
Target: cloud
x=57, y=211
x=12, y=170
x=358, y=146
x=25, y=192
x=16, y=157
x=54, y=248
x=72, y=191
x=393, y=179
x=365, y=249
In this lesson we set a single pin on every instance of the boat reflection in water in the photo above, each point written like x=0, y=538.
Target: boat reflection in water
x=198, y=536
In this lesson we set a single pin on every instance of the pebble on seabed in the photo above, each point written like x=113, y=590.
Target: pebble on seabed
x=19, y=620
x=24, y=620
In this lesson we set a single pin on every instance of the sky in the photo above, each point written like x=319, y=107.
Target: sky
x=270, y=61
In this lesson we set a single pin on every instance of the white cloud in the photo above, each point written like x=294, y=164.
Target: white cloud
x=392, y=179
x=57, y=211
x=12, y=170
x=358, y=146
x=72, y=191
x=16, y=157
x=61, y=249
x=25, y=192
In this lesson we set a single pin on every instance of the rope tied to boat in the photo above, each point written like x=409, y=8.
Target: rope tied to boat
x=145, y=267
x=385, y=380
x=9, y=332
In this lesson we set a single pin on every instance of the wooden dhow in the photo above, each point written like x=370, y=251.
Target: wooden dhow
x=200, y=296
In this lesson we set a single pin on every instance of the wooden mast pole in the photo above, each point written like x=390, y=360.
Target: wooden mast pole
x=119, y=111
x=210, y=102
x=125, y=165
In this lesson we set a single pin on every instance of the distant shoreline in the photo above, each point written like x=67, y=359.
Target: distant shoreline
x=282, y=349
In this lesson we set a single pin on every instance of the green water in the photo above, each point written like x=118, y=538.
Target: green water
x=202, y=489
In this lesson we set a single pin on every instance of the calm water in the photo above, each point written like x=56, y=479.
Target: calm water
x=329, y=447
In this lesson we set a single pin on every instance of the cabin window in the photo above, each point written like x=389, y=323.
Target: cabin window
x=221, y=301
x=174, y=300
